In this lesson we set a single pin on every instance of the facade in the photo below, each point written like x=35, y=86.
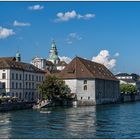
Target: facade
x=132, y=79
x=92, y=83
x=20, y=79
x=53, y=63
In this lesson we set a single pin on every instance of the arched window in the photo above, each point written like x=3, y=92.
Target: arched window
x=85, y=87
x=85, y=81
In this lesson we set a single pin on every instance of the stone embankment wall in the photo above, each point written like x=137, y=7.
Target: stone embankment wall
x=15, y=106
x=130, y=97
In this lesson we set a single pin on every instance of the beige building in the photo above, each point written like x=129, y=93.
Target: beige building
x=20, y=79
x=92, y=83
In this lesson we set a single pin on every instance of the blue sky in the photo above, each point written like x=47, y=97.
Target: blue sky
x=107, y=31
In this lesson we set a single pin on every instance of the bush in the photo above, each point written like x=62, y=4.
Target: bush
x=127, y=88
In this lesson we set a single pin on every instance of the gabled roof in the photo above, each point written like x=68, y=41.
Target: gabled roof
x=9, y=63
x=82, y=68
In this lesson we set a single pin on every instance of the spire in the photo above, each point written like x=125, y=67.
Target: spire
x=53, y=54
x=18, y=56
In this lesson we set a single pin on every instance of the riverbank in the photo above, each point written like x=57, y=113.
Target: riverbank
x=15, y=106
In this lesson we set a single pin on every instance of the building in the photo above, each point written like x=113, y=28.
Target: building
x=20, y=79
x=132, y=79
x=92, y=82
x=53, y=63
x=127, y=78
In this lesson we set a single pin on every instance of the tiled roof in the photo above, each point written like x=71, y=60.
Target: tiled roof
x=9, y=63
x=82, y=68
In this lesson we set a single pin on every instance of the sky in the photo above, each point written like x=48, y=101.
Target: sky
x=105, y=32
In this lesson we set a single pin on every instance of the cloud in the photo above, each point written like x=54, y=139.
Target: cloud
x=104, y=58
x=62, y=17
x=116, y=54
x=4, y=32
x=86, y=16
x=72, y=37
x=65, y=58
x=22, y=24
x=36, y=7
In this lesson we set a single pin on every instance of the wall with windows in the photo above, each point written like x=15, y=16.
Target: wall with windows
x=22, y=84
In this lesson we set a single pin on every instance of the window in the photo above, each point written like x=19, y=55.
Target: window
x=88, y=98
x=3, y=85
x=85, y=81
x=26, y=85
x=16, y=85
x=81, y=98
x=20, y=77
x=3, y=75
x=13, y=85
x=36, y=78
x=85, y=87
x=32, y=77
x=16, y=76
x=26, y=77
x=12, y=75
x=13, y=94
x=29, y=85
x=33, y=86
x=29, y=77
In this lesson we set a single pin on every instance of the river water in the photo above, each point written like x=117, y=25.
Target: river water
x=103, y=121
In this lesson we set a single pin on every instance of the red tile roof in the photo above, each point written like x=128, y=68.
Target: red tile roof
x=82, y=68
x=11, y=63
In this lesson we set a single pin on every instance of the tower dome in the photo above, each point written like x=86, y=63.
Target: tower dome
x=53, y=54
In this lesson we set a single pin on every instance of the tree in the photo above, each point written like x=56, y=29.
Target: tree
x=127, y=88
x=54, y=88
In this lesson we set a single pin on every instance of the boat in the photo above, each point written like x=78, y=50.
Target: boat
x=41, y=104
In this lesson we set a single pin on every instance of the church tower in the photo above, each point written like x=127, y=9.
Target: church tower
x=18, y=57
x=53, y=54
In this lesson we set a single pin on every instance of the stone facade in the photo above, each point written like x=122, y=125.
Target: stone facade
x=91, y=82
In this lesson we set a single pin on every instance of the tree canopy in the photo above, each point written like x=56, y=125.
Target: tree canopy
x=54, y=88
x=127, y=88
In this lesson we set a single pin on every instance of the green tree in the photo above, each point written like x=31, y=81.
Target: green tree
x=127, y=88
x=54, y=88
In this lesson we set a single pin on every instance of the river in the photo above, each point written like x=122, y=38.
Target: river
x=103, y=121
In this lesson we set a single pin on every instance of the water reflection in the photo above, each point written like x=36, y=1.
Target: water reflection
x=5, y=128
x=108, y=121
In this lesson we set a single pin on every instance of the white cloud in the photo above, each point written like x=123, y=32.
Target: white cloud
x=117, y=54
x=65, y=16
x=4, y=32
x=65, y=58
x=72, y=37
x=61, y=17
x=104, y=58
x=17, y=23
x=86, y=16
x=36, y=7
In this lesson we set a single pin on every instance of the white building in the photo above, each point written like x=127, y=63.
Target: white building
x=20, y=79
x=92, y=83
x=53, y=63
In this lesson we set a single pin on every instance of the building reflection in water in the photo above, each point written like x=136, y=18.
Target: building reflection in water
x=81, y=121
x=5, y=120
